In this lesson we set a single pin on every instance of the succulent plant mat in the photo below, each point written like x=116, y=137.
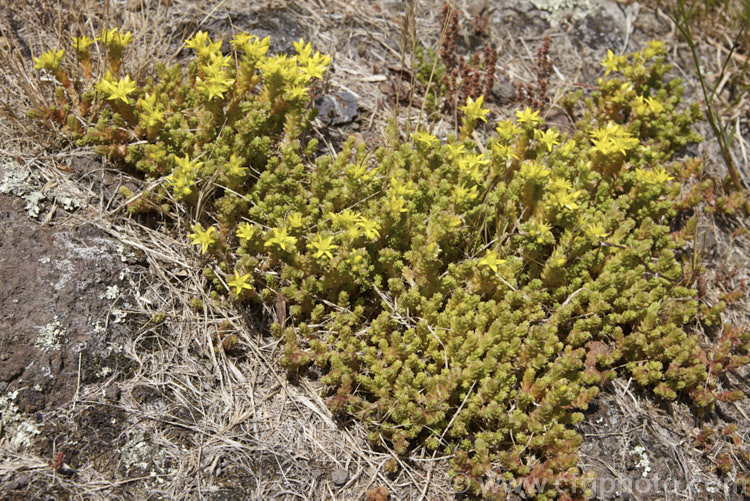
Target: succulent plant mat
x=125, y=375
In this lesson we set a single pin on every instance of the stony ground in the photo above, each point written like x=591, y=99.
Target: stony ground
x=109, y=384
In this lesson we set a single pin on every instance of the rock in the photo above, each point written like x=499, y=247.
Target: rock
x=112, y=392
x=19, y=482
x=600, y=31
x=503, y=91
x=337, y=108
x=281, y=24
x=557, y=10
x=67, y=471
x=339, y=476
x=53, y=315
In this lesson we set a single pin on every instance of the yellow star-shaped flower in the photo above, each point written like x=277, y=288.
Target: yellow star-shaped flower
x=613, y=62
x=50, y=60
x=311, y=70
x=187, y=165
x=322, y=246
x=344, y=219
x=245, y=231
x=117, y=90
x=548, y=138
x=369, y=227
x=281, y=239
x=116, y=38
x=239, y=282
x=202, y=45
x=491, y=260
x=474, y=109
x=295, y=220
x=204, y=238
x=506, y=129
x=424, y=138
x=235, y=168
x=81, y=44
x=528, y=117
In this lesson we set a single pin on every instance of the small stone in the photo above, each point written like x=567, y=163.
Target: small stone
x=67, y=471
x=337, y=108
x=503, y=91
x=112, y=392
x=339, y=476
x=23, y=480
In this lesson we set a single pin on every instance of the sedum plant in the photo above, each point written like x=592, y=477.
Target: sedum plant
x=467, y=296
x=208, y=127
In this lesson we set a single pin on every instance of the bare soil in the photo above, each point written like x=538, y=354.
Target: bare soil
x=110, y=386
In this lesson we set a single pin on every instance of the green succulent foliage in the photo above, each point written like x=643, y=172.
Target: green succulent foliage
x=431, y=72
x=209, y=127
x=471, y=298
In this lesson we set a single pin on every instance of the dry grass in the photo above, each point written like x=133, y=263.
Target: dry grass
x=229, y=423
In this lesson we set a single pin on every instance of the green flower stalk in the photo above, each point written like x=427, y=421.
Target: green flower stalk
x=115, y=40
x=82, y=48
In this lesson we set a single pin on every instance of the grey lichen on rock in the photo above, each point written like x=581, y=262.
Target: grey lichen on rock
x=24, y=183
x=556, y=8
x=49, y=336
x=18, y=430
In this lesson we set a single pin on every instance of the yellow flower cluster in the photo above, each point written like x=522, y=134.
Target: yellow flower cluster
x=653, y=176
x=288, y=76
x=612, y=139
x=115, y=90
x=115, y=39
x=184, y=176
x=355, y=224
x=50, y=60
x=253, y=48
x=151, y=113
